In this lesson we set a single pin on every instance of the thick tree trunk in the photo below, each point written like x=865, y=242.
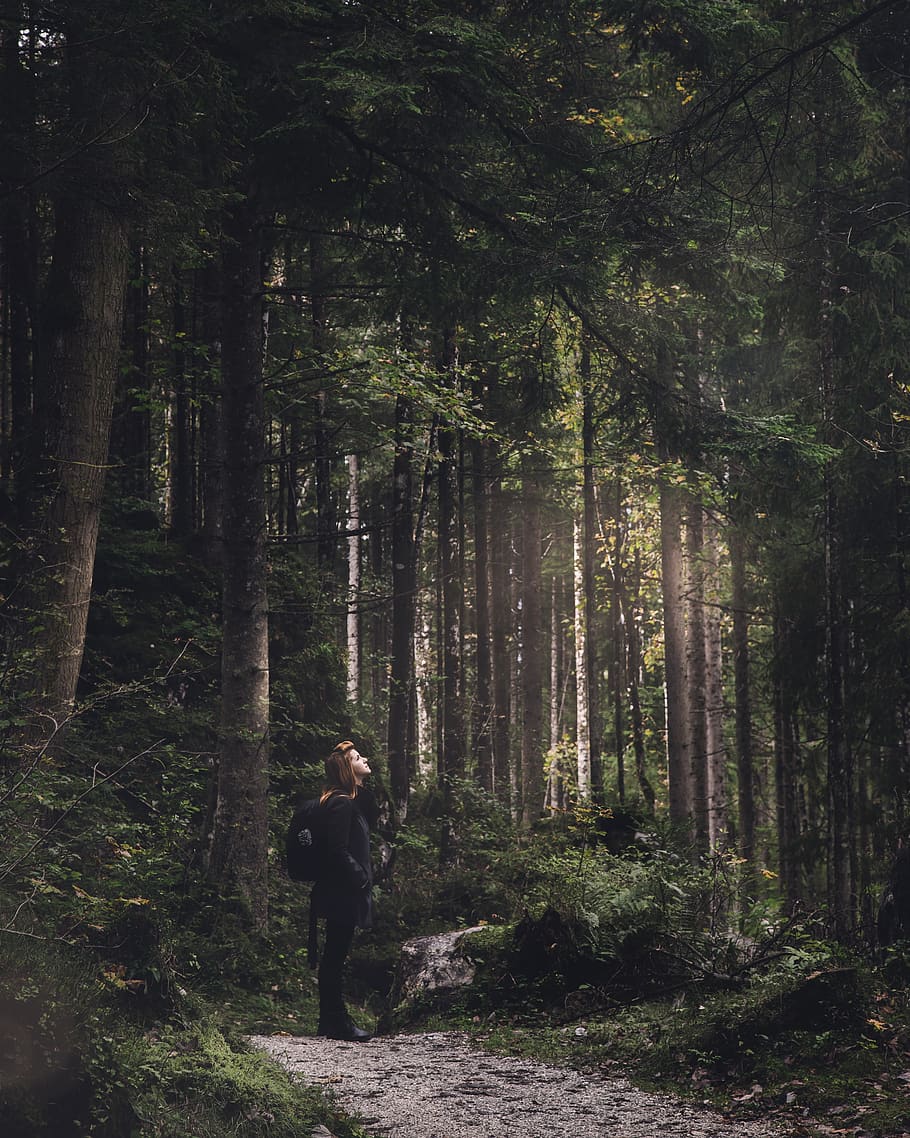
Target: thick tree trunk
x=532, y=666
x=239, y=848
x=83, y=324
x=404, y=610
x=679, y=772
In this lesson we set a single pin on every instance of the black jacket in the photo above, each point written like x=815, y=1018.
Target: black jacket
x=344, y=889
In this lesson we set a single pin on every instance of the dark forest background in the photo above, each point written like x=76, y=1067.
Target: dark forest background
x=519, y=391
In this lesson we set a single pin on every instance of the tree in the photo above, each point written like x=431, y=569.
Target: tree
x=239, y=841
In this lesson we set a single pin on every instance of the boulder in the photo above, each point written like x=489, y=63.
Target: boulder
x=432, y=969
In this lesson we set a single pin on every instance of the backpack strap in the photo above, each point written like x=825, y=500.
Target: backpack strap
x=312, y=944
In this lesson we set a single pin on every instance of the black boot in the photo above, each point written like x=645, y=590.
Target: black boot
x=342, y=1027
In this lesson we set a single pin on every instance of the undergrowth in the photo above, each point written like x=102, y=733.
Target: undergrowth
x=77, y=1060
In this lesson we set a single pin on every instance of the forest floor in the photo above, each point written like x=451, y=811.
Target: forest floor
x=438, y=1085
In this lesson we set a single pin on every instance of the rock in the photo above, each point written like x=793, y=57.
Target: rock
x=433, y=966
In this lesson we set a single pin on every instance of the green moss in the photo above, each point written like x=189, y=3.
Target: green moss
x=72, y=1065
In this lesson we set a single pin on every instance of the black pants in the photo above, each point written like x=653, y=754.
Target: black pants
x=339, y=936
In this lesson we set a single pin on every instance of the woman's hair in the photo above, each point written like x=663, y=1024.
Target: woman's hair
x=339, y=775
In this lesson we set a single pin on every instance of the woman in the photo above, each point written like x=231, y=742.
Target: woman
x=343, y=893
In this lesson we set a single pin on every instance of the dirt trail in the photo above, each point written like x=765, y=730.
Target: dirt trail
x=437, y=1085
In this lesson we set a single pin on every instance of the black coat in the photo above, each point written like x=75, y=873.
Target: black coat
x=343, y=891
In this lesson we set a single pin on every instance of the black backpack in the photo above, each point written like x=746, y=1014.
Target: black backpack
x=302, y=845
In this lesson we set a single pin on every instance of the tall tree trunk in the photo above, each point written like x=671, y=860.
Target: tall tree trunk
x=425, y=670
x=633, y=671
x=716, y=751
x=516, y=690
x=83, y=324
x=532, y=666
x=326, y=520
x=679, y=771
x=617, y=666
x=582, y=719
x=839, y=758
x=592, y=669
x=555, y=796
x=182, y=511
x=379, y=647
x=745, y=778
x=555, y=664
x=239, y=847
x=404, y=609
x=211, y=416
x=18, y=419
x=131, y=434
x=786, y=767
x=20, y=446
x=482, y=734
x=696, y=672
x=452, y=759
x=353, y=616
x=501, y=613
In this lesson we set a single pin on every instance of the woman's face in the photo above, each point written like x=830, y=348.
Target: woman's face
x=359, y=766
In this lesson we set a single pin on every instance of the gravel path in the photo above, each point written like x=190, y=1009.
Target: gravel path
x=438, y=1086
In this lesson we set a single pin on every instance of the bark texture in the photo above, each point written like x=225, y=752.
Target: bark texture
x=83, y=321
x=239, y=848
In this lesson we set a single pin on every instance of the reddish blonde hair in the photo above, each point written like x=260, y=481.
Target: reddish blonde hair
x=339, y=773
